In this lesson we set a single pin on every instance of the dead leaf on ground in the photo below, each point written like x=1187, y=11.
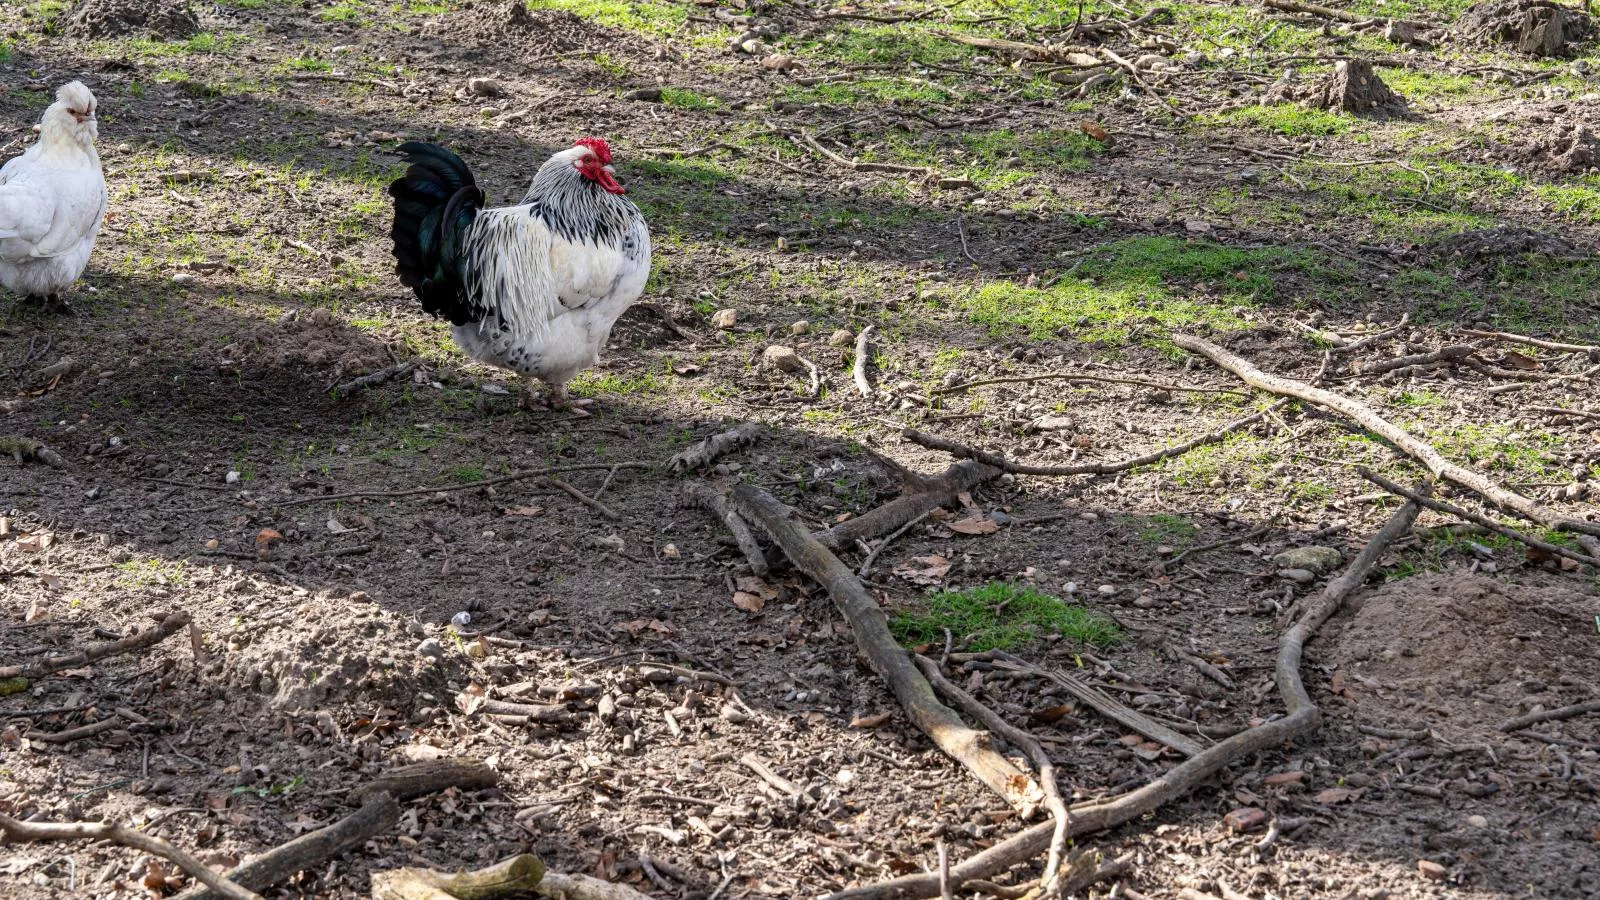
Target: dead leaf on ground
x=924, y=569
x=1335, y=795
x=1521, y=361
x=1053, y=713
x=266, y=537
x=872, y=721
x=974, y=525
x=750, y=603
x=1093, y=129
x=524, y=511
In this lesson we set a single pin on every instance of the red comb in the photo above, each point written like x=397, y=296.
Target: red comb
x=602, y=150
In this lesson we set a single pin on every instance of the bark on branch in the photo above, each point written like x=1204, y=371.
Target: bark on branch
x=15, y=832
x=172, y=624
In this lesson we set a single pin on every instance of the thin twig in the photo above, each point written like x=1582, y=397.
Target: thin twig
x=585, y=499
x=866, y=564
x=1551, y=715
x=1078, y=376
x=469, y=486
x=172, y=624
x=1510, y=338
x=858, y=370
x=15, y=832
x=961, y=230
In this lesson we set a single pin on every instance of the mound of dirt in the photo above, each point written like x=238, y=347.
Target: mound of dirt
x=1464, y=653
x=315, y=341
x=1491, y=245
x=512, y=26
x=1356, y=88
x=1571, y=148
x=162, y=19
x=1535, y=27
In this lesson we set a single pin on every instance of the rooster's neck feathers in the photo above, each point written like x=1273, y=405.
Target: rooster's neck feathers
x=575, y=208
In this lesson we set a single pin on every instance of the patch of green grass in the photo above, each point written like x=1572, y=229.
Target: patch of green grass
x=344, y=11
x=616, y=68
x=590, y=384
x=139, y=573
x=1165, y=527
x=683, y=98
x=1527, y=454
x=1419, y=399
x=1001, y=616
x=1290, y=119
x=643, y=16
x=7, y=50
x=1241, y=458
x=309, y=64
x=870, y=90
x=467, y=474
x=1131, y=283
x=1419, y=86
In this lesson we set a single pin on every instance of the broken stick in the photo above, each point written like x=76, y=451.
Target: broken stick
x=15, y=832
x=1087, y=818
x=379, y=814
x=716, y=502
x=704, y=453
x=428, y=777
x=858, y=371
x=1415, y=447
x=509, y=878
x=169, y=626
x=965, y=745
x=936, y=492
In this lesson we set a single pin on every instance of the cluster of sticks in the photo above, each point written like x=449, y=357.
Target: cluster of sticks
x=917, y=682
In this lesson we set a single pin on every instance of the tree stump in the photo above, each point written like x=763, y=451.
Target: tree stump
x=1535, y=27
x=1356, y=88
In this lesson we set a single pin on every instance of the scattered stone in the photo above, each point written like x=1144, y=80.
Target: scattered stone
x=783, y=359
x=231, y=478
x=1301, y=577
x=841, y=338
x=1430, y=869
x=1053, y=422
x=1356, y=88
x=486, y=87
x=1477, y=822
x=779, y=62
x=1106, y=590
x=1319, y=560
x=800, y=327
x=1245, y=818
x=648, y=94
x=725, y=319
x=430, y=647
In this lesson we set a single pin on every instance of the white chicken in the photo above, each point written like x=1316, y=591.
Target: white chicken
x=52, y=200
x=533, y=288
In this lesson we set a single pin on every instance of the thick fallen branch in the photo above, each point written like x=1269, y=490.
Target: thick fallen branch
x=858, y=369
x=355, y=385
x=1303, y=717
x=969, y=747
x=509, y=878
x=22, y=449
x=469, y=486
x=936, y=492
x=582, y=887
x=704, y=453
x=15, y=832
x=1023, y=741
x=1476, y=519
x=934, y=442
x=428, y=777
x=1442, y=355
x=172, y=624
x=1551, y=715
x=380, y=813
x=1364, y=415
x=716, y=502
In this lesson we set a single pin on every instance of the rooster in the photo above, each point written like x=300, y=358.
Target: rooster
x=52, y=200
x=533, y=288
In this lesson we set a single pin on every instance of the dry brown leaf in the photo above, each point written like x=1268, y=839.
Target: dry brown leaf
x=975, y=525
x=750, y=584
x=1093, y=129
x=529, y=511
x=265, y=538
x=1053, y=713
x=924, y=569
x=1521, y=361
x=872, y=721
x=750, y=603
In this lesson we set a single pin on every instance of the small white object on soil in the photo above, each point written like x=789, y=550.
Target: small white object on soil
x=431, y=647
x=231, y=478
x=1106, y=589
x=183, y=278
x=1299, y=576
x=461, y=619
x=725, y=318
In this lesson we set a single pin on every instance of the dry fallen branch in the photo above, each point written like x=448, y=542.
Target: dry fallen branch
x=15, y=832
x=1551, y=715
x=1364, y=415
x=933, y=442
x=969, y=747
x=1474, y=518
x=428, y=777
x=704, y=453
x=1510, y=338
x=933, y=493
x=1079, y=376
x=715, y=502
x=379, y=814
x=1303, y=718
x=858, y=370
x=1103, y=703
x=585, y=499
x=509, y=878
x=469, y=486
x=1023, y=741
x=23, y=449
x=356, y=385
x=172, y=624
x=1442, y=355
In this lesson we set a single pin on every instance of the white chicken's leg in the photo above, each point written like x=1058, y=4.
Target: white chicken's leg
x=526, y=397
x=560, y=399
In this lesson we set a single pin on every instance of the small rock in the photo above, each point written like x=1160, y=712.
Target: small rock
x=485, y=87
x=731, y=713
x=1053, y=422
x=725, y=318
x=955, y=184
x=753, y=47
x=461, y=619
x=1106, y=590
x=231, y=478
x=1000, y=518
x=1430, y=869
x=841, y=338
x=783, y=359
x=1477, y=822
x=1145, y=601
x=183, y=278
x=1299, y=576
x=1245, y=818
x=779, y=62
x=648, y=95
x=213, y=544
x=800, y=327
x=1319, y=560
x=430, y=647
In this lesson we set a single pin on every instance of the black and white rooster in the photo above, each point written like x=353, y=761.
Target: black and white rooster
x=535, y=287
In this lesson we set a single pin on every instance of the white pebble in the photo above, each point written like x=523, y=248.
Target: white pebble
x=231, y=478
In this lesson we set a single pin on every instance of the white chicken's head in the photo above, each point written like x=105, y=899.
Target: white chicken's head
x=591, y=157
x=72, y=115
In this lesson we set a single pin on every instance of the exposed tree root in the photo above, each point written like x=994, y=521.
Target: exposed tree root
x=716, y=502
x=935, y=492
x=1303, y=718
x=704, y=453
x=379, y=814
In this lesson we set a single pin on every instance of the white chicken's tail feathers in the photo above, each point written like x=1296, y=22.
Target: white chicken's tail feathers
x=508, y=271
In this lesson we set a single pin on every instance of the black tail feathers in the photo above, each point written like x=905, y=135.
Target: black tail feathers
x=435, y=204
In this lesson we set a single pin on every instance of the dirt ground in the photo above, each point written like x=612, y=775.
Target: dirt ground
x=992, y=222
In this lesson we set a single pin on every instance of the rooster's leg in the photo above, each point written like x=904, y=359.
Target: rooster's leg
x=527, y=397
x=55, y=303
x=560, y=399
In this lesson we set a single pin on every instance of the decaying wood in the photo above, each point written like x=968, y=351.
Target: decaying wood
x=509, y=878
x=582, y=887
x=858, y=369
x=390, y=373
x=54, y=370
x=1303, y=718
x=428, y=777
x=379, y=814
x=1442, y=355
x=1367, y=418
x=23, y=449
x=170, y=625
x=1510, y=338
x=15, y=832
x=967, y=746
x=1481, y=521
x=704, y=453
x=1103, y=703
x=1023, y=741
x=716, y=502
x=995, y=460
x=1080, y=376
x=936, y=492
x=1551, y=715
x=73, y=734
